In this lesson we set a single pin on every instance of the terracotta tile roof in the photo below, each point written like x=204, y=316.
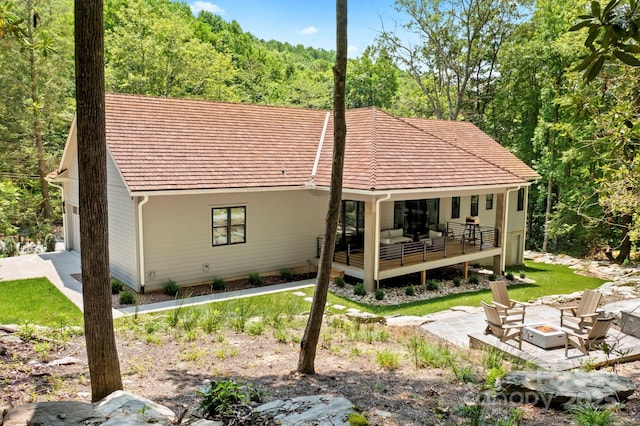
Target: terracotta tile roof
x=468, y=137
x=176, y=144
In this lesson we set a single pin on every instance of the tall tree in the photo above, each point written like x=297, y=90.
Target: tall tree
x=309, y=342
x=454, y=60
x=36, y=92
x=372, y=80
x=104, y=367
x=612, y=38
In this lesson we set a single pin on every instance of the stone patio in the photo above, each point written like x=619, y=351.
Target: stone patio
x=464, y=327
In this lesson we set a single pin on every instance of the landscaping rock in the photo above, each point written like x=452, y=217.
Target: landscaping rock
x=68, y=360
x=68, y=413
x=317, y=410
x=124, y=408
x=366, y=318
x=565, y=388
x=408, y=321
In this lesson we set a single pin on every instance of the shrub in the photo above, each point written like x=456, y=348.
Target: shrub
x=339, y=281
x=222, y=397
x=286, y=275
x=522, y=274
x=589, y=414
x=116, y=286
x=493, y=277
x=10, y=247
x=50, y=242
x=432, y=285
x=410, y=291
x=218, y=284
x=255, y=279
x=126, y=298
x=379, y=294
x=457, y=281
x=357, y=419
x=359, y=289
x=171, y=288
x=474, y=279
x=509, y=276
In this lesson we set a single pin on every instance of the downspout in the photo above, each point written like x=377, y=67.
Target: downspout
x=64, y=213
x=503, y=244
x=143, y=275
x=376, y=239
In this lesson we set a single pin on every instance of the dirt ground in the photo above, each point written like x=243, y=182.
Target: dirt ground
x=168, y=366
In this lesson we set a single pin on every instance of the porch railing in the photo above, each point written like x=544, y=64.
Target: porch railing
x=467, y=235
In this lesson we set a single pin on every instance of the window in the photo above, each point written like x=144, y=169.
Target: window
x=455, y=207
x=520, y=199
x=489, y=201
x=229, y=225
x=474, y=205
x=416, y=216
x=351, y=223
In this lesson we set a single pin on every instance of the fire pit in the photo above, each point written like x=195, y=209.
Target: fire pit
x=546, y=336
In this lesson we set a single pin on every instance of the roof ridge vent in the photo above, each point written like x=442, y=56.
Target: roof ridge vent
x=373, y=179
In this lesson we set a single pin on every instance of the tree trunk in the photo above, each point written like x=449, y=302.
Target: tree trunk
x=104, y=367
x=35, y=106
x=547, y=212
x=309, y=343
x=625, y=245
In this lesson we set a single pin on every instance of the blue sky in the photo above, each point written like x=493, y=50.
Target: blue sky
x=310, y=23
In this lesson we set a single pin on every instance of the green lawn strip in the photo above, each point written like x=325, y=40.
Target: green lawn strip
x=36, y=301
x=550, y=279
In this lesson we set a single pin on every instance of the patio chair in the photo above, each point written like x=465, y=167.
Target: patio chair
x=511, y=310
x=499, y=327
x=583, y=314
x=588, y=340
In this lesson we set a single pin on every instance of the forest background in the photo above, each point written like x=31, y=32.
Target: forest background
x=513, y=68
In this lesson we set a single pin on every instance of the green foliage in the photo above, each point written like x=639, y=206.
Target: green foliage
x=255, y=279
x=286, y=275
x=126, y=297
x=432, y=285
x=473, y=413
x=359, y=289
x=522, y=274
x=509, y=276
x=171, y=288
x=379, y=294
x=589, y=414
x=494, y=374
x=474, y=279
x=10, y=246
x=387, y=360
x=410, y=290
x=357, y=419
x=457, y=281
x=339, y=281
x=50, y=242
x=426, y=354
x=218, y=284
x=222, y=397
x=493, y=277
x=116, y=286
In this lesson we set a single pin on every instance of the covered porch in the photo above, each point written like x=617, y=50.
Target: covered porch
x=395, y=234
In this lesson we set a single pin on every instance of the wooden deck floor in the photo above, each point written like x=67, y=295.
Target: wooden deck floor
x=453, y=249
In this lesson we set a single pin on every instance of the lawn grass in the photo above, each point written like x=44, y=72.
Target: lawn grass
x=36, y=301
x=549, y=279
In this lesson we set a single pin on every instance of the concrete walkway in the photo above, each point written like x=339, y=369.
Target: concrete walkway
x=59, y=266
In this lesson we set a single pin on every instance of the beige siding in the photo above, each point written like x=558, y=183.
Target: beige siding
x=282, y=230
x=122, y=228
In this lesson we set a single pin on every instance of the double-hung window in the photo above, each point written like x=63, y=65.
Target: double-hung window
x=489, y=202
x=228, y=225
x=520, y=199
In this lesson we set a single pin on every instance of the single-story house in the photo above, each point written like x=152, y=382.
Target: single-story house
x=200, y=189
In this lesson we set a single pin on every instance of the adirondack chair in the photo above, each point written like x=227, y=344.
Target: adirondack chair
x=499, y=327
x=583, y=314
x=511, y=310
x=584, y=342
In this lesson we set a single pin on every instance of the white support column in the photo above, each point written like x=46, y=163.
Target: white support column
x=370, y=243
